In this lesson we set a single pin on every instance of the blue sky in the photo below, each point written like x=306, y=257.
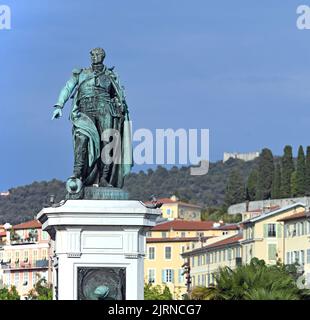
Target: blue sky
x=240, y=68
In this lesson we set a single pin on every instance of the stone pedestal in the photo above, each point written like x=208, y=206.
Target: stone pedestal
x=99, y=248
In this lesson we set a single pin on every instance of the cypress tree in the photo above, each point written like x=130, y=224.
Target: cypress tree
x=300, y=173
x=294, y=184
x=287, y=170
x=307, y=173
x=235, y=192
x=276, y=183
x=265, y=175
x=251, y=185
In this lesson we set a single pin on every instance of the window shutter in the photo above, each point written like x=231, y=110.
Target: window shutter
x=279, y=230
x=265, y=230
x=163, y=276
x=272, y=251
x=180, y=275
x=172, y=275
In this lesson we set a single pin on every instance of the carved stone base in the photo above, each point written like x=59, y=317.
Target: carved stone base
x=99, y=193
x=99, y=248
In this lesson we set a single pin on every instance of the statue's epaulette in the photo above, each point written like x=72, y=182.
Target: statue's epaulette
x=76, y=70
x=112, y=68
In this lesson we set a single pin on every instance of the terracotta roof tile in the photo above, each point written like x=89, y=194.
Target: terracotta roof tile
x=299, y=215
x=176, y=239
x=33, y=224
x=178, y=225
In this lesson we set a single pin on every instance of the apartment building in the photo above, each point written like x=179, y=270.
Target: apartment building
x=25, y=252
x=297, y=241
x=206, y=261
x=167, y=241
x=263, y=236
x=173, y=208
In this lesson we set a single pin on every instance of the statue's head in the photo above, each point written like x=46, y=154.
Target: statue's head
x=97, y=55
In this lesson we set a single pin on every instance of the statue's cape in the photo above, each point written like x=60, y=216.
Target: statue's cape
x=83, y=124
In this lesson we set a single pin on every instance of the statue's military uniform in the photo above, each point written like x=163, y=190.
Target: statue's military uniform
x=96, y=98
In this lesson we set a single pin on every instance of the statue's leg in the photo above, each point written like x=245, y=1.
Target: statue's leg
x=105, y=122
x=80, y=155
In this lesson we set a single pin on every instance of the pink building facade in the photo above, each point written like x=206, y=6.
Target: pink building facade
x=25, y=252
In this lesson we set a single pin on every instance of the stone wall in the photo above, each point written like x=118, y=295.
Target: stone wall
x=254, y=205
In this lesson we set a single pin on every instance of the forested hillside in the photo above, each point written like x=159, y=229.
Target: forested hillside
x=208, y=190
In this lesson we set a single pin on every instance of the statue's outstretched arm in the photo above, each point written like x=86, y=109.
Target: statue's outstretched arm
x=65, y=93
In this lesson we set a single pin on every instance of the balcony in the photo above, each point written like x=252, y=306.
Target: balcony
x=38, y=264
x=17, y=241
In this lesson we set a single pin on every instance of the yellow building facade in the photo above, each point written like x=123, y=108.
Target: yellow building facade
x=297, y=241
x=263, y=236
x=167, y=241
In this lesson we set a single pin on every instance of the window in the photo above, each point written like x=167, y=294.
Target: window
x=271, y=230
x=193, y=261
x=25, y=256
x=181, y=279
x=164, y=234
x=238, y=252
x=183, y=234
x=8, y=279
x=308, y=227
x=167, y=275
x=288, y=260
x=149, y=234
x=302, y=257
x=308, y=256
x=44, y=254
x=16, y=279
x=272, y=251
x=26, y=278
x=151, y=276
x=303, y=228
x=35, y=255
x=286, y=231
x=167, y=253
x=296, y=257
x=203, y=280
x=44, y=235
x=151, y=253
x=229, y=254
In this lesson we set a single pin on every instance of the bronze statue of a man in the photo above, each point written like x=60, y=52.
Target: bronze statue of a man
x=101, y=127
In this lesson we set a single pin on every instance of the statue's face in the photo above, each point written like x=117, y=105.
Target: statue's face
x=97, y=56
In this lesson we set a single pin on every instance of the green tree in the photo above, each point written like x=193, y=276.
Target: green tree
x=251, y=185
x=9, y=294
x=254, y=281
x=276, y=182
x=265, y=175
x=235, y=191
x=294, y=189
x=301, y=173
x=157, y=292
x=287, y=170
x=307, y=173
x=41, y=291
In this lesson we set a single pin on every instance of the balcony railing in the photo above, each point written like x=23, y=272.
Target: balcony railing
x=38, y=264
x=24, y=241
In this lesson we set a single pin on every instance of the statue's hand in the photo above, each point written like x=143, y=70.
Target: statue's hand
x=57, y=113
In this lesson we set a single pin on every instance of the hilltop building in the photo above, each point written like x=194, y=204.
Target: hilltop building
x=241, y=156
x=173, y=208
